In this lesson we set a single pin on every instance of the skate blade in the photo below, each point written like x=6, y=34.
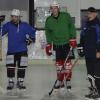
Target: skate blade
x=22, y=93
x=55, y=92
x=10, y=94
x=21, y=90
x=89, y=99
x=69, y=90
x=63, y=91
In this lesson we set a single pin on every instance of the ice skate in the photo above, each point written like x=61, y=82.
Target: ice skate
x=92, y=95
x=10, y=85
x=62, y=89
x=21, y=89
x=68, y=85
x=10, y=89
x=20, y=85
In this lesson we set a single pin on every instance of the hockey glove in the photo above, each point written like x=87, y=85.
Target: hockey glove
x=30, y=40
x=80, y=50
x=48, y=49
x=73, y=43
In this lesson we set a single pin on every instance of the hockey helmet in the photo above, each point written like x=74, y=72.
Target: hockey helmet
x=15, y=12
x=55, y=3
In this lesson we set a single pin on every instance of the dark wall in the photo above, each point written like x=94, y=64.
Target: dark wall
x=11, y=4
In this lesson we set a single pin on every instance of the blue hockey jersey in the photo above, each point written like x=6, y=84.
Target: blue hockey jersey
x=17, y=36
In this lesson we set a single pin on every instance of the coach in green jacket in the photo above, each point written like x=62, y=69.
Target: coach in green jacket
x=60, y=34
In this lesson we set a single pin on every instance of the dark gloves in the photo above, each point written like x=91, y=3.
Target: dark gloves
x=30, y=40
x=80, y=50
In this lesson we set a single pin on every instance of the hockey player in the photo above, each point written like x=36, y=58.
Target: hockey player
x=90, y=41
x=19, y=35
x=60, y=35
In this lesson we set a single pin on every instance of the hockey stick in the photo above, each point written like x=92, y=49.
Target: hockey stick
x=66, y=76
x=62, y=69
x=60, y=72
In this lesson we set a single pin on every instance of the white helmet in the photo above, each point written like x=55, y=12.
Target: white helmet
x=55, y=3
x=15, y=12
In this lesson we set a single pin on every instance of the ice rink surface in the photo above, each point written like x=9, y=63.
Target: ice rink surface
x=40, y=79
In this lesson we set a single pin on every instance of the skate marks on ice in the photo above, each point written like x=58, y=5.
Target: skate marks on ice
x=2, y=90
x=15, y=95
x=73, y=95
x=61, y=97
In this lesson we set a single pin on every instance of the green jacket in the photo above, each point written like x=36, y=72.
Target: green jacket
x=59, y=30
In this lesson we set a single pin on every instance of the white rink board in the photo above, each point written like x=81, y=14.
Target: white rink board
x=36, y=51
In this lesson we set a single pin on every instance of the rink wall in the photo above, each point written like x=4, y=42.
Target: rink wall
x=74, y=7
